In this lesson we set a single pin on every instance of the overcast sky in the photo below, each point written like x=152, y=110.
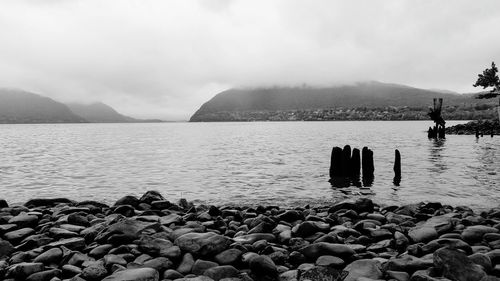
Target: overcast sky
x=163, y=59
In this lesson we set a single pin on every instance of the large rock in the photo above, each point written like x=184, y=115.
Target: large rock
x=22, y=270
x=50, y=256
x=494, y=255
x=74, y=243
x=155, y=246
x=316, y=250
x=263, y=266
x=291, y=216
x=186, y=264
x=70, y=270
x=137, y=274
x=229, y=256
x=127, y=200
x=159, y=263
x=18, y=235
x=203, y=244
x=482, y=260
x=91, y=232
x=364, y=205
x=200, y=266
x=3, y=204
x=110, y=260
x=398, y=275
x=58, y=233
x=45, y=275
x=95, y=271
x=407, y=263
x=220, y=272
x=151, y=196
x=433, y=245
x=455, y=265
x=422, y=234
x=100, y=250
x=161, y=204
x=169, y=219
x=251, y=238
x=432, y=228
x=6, y=249
x=290, y=275
x=47, y=202
x=24, y=220
x=128, y=227
x=475, y=233
x=330, y=261
x=308, y=228
x=363, y=268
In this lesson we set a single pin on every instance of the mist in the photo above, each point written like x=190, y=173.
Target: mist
x=164, y=59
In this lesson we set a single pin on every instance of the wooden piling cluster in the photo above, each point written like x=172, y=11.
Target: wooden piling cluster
x=346, y=166
x=435, y=114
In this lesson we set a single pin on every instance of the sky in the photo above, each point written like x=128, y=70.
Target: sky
x=165, y=58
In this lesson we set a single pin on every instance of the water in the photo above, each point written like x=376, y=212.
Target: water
x=280, y=163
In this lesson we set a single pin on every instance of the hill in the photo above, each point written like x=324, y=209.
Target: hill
x=99, y=113
x=17, y=106
x=360, y=101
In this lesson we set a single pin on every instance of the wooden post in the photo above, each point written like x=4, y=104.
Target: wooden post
x=336, y=162
x=355, y=164
x=397, y=168
x=346, y=161
x=368, y=168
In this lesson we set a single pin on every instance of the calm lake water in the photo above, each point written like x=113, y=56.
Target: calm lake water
x=280, y=163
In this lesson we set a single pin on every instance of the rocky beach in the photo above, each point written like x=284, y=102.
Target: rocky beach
x=484, y=127
x=151, y=238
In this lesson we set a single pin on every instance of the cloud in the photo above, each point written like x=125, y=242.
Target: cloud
x=163, y=59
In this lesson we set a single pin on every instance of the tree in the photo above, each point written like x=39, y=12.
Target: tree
x=489, y=78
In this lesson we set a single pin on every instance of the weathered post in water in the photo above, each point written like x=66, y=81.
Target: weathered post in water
x=336, y=162
x=367, y=166
x=355, y=164
x=397, y=168
x=435, y=115
x=346, y=161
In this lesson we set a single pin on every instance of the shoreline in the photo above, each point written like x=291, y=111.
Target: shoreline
x=150, y=238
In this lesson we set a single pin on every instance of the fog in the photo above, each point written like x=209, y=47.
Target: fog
x=163, y=59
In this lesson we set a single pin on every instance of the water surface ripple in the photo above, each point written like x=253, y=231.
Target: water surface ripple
x=280, y=163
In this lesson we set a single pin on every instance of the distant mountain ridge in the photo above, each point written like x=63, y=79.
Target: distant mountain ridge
x=18, y=106
x=260, y=103
x=99, y=113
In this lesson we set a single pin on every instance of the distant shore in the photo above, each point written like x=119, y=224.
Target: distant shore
x=151, y=238
x=482, y=127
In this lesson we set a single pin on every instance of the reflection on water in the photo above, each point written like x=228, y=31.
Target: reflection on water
x=436, y=150
x=243, y=163
x=396, y=181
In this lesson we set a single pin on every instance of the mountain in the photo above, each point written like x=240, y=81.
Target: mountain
x=309, y=103
x=99, y=113
x=17, y=106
